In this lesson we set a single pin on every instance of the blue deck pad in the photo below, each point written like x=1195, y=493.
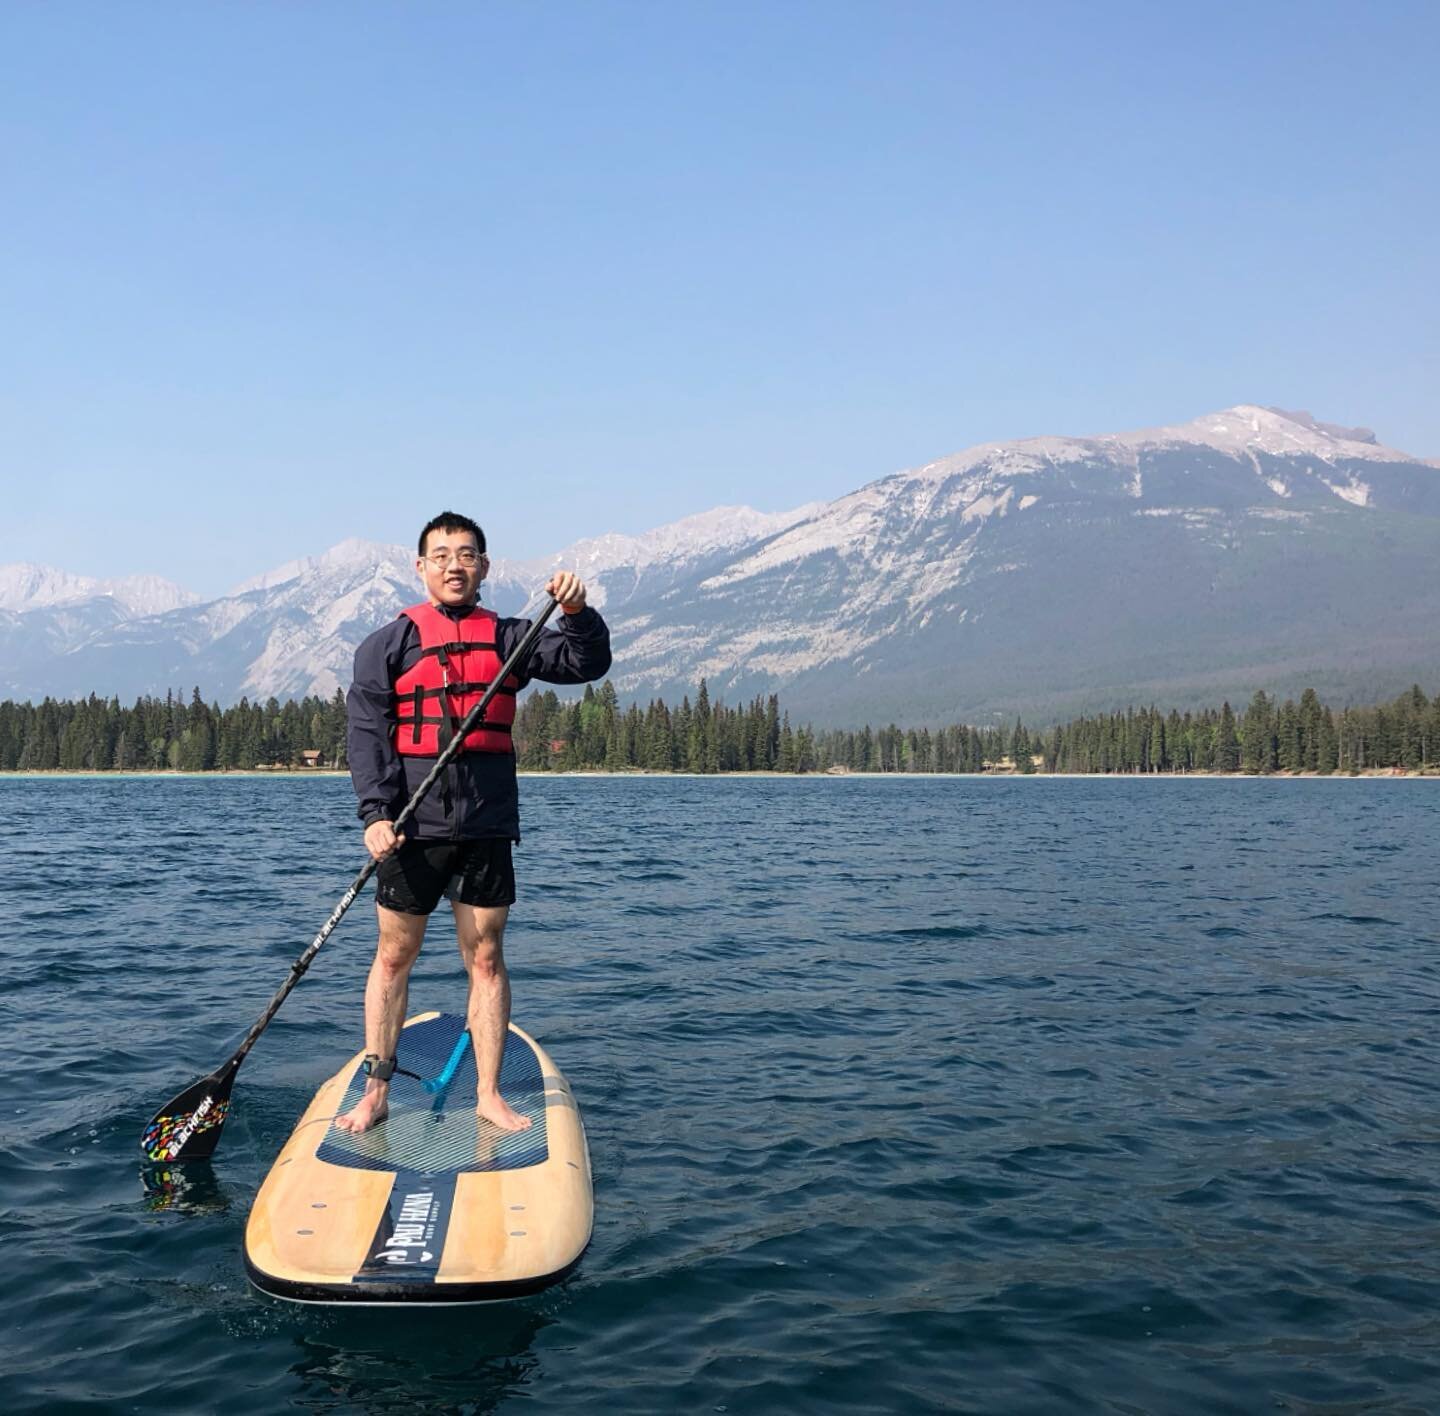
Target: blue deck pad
x=440, y=1134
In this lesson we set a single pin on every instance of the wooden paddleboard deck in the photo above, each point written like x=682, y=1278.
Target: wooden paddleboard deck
x=434, y=1205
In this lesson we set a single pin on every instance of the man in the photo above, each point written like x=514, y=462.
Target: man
x=415, y=679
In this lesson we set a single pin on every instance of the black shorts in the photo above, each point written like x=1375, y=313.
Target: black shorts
x=467, y=872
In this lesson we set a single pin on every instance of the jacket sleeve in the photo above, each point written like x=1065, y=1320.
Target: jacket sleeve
x=376, y=771
x=578, y=651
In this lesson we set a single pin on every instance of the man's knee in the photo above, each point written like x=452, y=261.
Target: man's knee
x=484, y=953
x=400, y=941
x=396, y=959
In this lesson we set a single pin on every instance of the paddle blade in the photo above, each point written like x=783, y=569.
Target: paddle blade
x=188, y=1128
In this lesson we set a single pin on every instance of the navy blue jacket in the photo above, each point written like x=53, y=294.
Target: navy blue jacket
x=477, y=796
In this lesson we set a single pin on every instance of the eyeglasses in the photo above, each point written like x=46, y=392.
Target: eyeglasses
x=465, y=556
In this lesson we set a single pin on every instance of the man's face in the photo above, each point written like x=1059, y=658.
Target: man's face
x=448, y=578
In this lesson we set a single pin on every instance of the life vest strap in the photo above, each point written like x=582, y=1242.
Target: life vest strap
x=440, y=720
x=459, y=646
x=455, y=690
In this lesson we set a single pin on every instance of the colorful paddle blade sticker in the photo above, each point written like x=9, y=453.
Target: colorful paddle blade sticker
x=189, y=1128
x=184, y=1135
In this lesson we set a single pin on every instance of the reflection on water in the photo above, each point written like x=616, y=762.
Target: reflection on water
x=380, y=1360
x=184, y=1189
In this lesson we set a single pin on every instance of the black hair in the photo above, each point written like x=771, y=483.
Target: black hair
x=451, y=521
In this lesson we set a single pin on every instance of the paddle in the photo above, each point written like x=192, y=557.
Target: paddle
x=188, y=1127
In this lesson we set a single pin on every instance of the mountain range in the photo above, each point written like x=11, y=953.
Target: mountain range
x=1251, y=548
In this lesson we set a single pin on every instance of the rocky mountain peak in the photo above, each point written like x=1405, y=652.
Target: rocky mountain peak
x=1042, y=575
x=27, y=586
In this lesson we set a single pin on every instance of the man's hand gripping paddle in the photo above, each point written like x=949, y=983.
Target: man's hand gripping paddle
x=188, y=1127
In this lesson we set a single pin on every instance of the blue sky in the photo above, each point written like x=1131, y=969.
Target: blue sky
x=276, y=274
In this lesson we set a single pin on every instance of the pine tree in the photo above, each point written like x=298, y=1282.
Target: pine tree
x=805, y=757
x=1289, y=750
x=1256, y=734
x=700, y=750
x=680, y=736
x=1413, y=708
x=659, y=748
x=1020, y=753
x=1326, y=757
x=1309, y=714
x=1227, y=744
x=785, y=758
x=336, y=747
x=197, y=738
x=615, y=756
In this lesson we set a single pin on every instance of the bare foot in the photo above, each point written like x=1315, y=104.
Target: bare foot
x=369, y=1111
x=496, y=1110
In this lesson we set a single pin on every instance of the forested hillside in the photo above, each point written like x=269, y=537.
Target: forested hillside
x=594, y=733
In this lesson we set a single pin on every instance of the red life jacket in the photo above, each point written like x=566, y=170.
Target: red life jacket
x=459, y=659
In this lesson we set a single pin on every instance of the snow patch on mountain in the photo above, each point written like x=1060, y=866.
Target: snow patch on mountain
x=1356, y=492
x=691, y=537
x=988, y=504
x=852, y=523
x=1242, y=431
x=219, y=617
x=781, y=646
x=601, y=560
x=1025, y=457
x=937, y=578
x=340, y=560
x=870, y=523
x=1248, y=427
x=26, y=586
x=1277, y=513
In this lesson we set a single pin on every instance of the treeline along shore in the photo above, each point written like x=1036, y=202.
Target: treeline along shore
x=594, y=733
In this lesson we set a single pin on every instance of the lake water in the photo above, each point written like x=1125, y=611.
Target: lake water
x=903, y=1095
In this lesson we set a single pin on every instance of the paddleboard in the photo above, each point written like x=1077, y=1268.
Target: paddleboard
x=434, y=1205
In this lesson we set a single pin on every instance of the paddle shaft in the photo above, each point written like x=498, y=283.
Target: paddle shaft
x=452, y=750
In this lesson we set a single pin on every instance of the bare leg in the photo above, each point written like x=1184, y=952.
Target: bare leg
x=481, y=933
x=386, y=992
